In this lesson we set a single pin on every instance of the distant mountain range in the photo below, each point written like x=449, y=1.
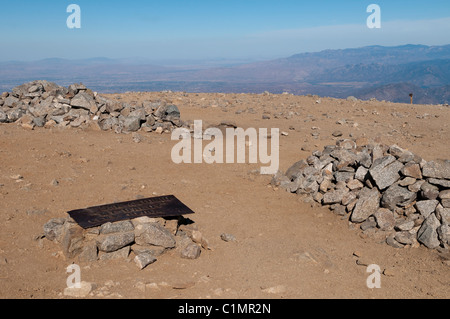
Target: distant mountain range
x=384, y=73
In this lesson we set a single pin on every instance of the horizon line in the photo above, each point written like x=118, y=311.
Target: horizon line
x=216, y=58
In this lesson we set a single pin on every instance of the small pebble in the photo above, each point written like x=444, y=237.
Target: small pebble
x=227, y=237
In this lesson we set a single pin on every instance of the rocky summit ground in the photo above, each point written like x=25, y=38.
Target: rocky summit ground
x=284, y=247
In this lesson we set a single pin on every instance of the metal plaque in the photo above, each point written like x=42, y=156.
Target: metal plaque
x=163, y=206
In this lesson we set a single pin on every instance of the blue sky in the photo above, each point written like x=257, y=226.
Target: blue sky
x=190, y=29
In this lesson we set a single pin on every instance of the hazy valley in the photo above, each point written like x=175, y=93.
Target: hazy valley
x=384, y=73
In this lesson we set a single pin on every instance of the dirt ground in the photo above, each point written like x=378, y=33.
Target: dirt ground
x=285, y=247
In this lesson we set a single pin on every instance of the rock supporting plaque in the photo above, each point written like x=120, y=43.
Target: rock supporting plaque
x=163, y=206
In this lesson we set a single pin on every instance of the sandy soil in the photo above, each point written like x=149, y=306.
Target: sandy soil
x=299, y=249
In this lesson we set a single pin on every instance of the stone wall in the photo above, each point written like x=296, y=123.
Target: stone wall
x=46, y=104
x=383, y=189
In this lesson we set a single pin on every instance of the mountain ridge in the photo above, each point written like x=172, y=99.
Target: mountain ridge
x=361, y=72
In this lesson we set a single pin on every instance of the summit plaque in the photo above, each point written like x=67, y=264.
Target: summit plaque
x=163, y=206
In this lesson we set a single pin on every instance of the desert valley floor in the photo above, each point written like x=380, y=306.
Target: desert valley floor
x=284, y=248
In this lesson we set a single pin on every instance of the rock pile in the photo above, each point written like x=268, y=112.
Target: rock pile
x=45, y=104
x=145, y=238
x=384, y=189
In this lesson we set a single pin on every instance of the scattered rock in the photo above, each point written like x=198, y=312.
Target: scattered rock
x=137, y=138
x=405, y=237
x=183, y=285
x=144, y=259
x=82, y=291
x=191, y=251
x=389, y=272
x=391, y=241
x=276, y=290
x=227, y=237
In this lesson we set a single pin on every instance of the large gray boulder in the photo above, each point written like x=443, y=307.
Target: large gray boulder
x=108, y=123
x=112, y=242
x=168, y=113
x=113, y=106
x=385, y=171
x=296, y=170
x=334, y=196
x=3, y=117
x=437, y=169
x=14, y=114
x=117, y=227
x=426, y=207
x=83, y=100
x=385, y=219
x=429, y=191
x=37, y=88
x=43, y=108
x=412, y=170
x=344, y=157
x=367, y=205
x=11, y=102
x=397, y=196
x=427, y=234
x=131, y=123
x=154, y=234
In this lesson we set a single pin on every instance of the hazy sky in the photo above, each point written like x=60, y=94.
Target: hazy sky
x=165, y=29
